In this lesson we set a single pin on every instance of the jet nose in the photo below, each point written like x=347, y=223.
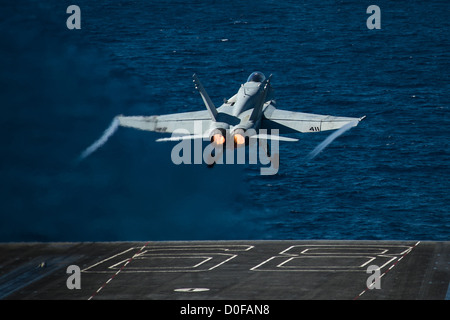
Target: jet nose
x=256, y=76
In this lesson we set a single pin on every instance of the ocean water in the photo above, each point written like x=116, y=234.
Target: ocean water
x=387, y=178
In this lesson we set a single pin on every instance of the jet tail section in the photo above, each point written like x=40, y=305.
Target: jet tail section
x=257, y=110
x=208, y=103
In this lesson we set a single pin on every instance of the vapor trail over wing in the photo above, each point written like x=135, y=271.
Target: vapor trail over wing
x=330, y=139
x=101, y=141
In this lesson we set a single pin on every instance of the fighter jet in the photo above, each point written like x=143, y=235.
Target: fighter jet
x=250, y=114
x=240, y=117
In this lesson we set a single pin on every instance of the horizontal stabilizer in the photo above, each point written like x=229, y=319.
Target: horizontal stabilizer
x=179, y=138
x=274, y=137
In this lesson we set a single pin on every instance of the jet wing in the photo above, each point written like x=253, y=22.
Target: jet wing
x=170, y=122
x=291, y=122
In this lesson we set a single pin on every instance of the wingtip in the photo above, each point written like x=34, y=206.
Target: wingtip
x=362, y=118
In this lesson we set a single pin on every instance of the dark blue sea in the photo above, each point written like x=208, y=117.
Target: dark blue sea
x=387, y=178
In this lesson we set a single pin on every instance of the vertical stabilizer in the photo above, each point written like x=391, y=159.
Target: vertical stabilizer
x=256, y=113
x=208, y=103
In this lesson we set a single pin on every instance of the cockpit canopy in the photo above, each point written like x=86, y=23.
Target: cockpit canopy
x=256, y=77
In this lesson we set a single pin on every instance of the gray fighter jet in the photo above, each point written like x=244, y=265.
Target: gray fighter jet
x=241, y=117
x=248, y=115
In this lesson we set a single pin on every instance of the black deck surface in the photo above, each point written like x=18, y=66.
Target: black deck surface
x=228, y=270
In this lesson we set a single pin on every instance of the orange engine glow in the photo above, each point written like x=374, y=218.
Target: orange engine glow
x=218, y=139
x=239, y=139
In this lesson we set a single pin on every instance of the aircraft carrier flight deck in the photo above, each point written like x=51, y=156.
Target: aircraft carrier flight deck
x=226, y=270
